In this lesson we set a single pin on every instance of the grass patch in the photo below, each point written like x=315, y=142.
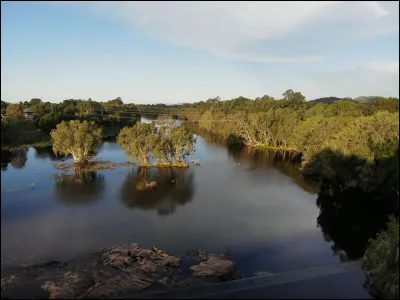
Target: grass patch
x=94, y=165
x=37, y=144
x=165, y=165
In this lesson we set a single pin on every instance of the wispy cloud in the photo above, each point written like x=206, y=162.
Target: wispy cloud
x=388, y=67
x=371, y=78
x=232, y=29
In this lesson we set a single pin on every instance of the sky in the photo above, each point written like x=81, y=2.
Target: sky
x=176, y=52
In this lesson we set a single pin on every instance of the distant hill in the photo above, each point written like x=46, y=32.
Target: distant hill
x=361, y=99
x=366, y=99
x=329, y=100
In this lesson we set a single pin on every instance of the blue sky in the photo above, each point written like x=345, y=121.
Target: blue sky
x=174, y=52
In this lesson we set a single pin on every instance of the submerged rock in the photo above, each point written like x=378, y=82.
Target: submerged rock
x=216, y=266
x=116, y=271
x=8, y=283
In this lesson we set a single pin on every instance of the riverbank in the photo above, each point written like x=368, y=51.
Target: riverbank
x=24, y=133
x=20, y=146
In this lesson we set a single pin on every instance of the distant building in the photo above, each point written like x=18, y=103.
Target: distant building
x=28, y=114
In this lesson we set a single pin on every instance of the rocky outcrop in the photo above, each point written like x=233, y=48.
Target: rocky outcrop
x=216, y=266
x=117, y=271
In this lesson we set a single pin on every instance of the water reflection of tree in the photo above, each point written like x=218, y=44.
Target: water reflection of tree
x=174, y=187
x=287, y=163
x=79, y=188
x=5, y=159
x=348, y=219
x=19, y=157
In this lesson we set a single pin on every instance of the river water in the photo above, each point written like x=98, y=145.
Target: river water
x=251, y=204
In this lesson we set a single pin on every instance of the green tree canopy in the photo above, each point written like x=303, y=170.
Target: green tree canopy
x=381, y=262
x=137, y=141
x=80, y=139
x=175, y=142
x=15, y=111
x=35, y=101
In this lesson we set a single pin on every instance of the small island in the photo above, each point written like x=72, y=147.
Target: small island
x=165, y=145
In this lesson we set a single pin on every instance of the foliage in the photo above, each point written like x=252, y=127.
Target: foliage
x=381, y=262
x=5, y=127
x=80, y=139
x=22, y=133
x=364, y=135
x=169, y=143
x=175, y=142
x=14, y=111
x=47, y=122
x=137, y=141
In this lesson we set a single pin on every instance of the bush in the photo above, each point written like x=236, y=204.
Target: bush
x=381, y=262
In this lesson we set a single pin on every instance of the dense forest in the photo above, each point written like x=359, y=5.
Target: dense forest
x=347, y=143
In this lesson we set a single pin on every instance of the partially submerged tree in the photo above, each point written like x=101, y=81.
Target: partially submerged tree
x=137, y=141
x=174, y=143
x=169, y=143
x=80, y=139
x=182, y=142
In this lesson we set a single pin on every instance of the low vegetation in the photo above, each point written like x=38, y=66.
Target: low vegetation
x=16, y=133
x=381, y=262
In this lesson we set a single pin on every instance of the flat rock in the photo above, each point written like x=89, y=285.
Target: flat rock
x=113, y=272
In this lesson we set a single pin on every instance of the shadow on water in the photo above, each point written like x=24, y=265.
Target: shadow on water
x=47, y=153
x=287, y=163
x=5, y=159
x=174, y=188
x=79, y=188
x=349, y=219
x=355, y=200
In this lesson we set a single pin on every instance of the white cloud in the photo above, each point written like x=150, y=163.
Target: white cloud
x=231, y=29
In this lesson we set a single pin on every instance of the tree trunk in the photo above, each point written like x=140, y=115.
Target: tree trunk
x=145, y=160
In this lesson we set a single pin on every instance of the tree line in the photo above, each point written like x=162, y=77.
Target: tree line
x=368, y=131
x=112, y=113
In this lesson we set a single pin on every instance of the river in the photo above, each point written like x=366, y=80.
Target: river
x=252, y=204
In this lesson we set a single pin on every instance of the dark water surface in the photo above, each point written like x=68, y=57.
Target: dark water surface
x=248, y=203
